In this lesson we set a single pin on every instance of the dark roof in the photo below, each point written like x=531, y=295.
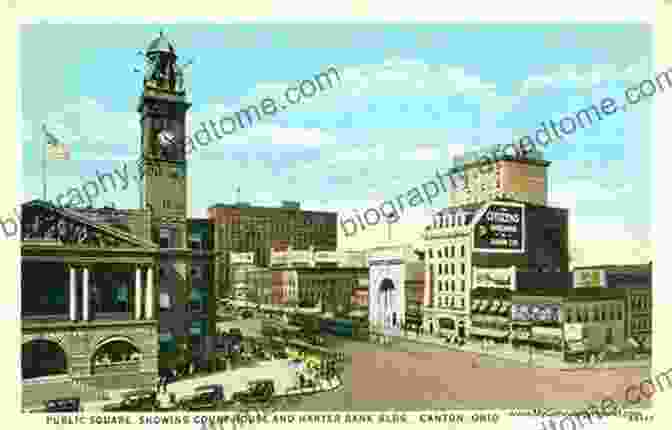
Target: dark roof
x=482, y=292
x=626, y=268
x=572, y=293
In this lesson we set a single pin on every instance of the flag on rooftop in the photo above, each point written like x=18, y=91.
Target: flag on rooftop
x=56, y=150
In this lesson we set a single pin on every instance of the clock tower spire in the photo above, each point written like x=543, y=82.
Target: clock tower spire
x=163, y=106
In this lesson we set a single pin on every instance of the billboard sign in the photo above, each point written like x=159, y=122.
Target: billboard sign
x=494, y=277
x=327, y=257
x=573, y=332
x=242, y=257
x=500, y=228
x=535, y=312
x=386, y=296
x=590, y=278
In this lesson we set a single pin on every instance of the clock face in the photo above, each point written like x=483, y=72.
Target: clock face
x=166, y=138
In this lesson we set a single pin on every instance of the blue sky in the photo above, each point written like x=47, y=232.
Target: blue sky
x=411, y=96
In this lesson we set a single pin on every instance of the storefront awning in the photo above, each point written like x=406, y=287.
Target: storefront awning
x=491, y=332
x=542, y=338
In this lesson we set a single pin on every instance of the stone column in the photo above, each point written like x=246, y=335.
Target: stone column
x=149, y=290
x=73, y=293
x=85, y=294
x=138, y=293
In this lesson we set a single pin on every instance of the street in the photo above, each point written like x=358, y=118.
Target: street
x=410, y=375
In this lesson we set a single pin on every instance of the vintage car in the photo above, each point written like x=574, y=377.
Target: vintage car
x=204, y=397
x=260, y=390
x=71, y=404
x=137, y=400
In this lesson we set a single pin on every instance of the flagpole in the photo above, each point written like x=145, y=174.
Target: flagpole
x=44, y=165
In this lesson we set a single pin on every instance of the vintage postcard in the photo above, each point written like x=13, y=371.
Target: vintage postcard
x=351, y=223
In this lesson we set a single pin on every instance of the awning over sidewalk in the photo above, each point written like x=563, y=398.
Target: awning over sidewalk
x=490, y=332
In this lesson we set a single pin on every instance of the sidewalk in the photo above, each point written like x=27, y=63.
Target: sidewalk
x=539, y=359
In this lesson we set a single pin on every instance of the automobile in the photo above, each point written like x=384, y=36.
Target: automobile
x=247, y=314
x=280, y=353
x=204, y=397
x=69, y=404
x=137, y=400
x=259, y=390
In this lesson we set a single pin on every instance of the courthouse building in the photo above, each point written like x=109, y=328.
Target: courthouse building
x=107, y=295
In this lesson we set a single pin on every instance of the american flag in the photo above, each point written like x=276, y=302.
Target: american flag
x=55, y=149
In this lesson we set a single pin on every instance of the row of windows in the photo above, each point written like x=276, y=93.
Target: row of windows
x=640, y=303
x=443, y=253
x=451, y=302
x=594, y=313
x=641, y=324
x=451, y=220
x=443, y=285
x=443, y=268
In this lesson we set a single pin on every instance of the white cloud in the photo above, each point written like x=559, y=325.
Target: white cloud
x=605, y=240
x=422, y=152
x=571, y=75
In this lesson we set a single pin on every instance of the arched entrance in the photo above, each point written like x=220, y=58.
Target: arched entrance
x=115, y=355
x=41, y=357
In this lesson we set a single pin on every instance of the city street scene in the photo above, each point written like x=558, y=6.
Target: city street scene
x=499, y=265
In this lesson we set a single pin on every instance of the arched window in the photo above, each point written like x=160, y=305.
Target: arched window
x=42, y=357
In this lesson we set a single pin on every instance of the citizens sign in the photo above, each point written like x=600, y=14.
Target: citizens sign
x=500, y=228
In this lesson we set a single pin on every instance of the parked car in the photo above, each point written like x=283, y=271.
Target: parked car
x=204, y=397
x=259, y=390
x=137, y=400
x=71, y=404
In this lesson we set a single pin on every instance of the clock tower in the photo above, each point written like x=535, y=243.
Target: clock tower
x=162, y=107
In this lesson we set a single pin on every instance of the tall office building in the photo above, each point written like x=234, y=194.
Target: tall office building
x=498, y=222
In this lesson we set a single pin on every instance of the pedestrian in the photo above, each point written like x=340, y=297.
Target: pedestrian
x=165, y=384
